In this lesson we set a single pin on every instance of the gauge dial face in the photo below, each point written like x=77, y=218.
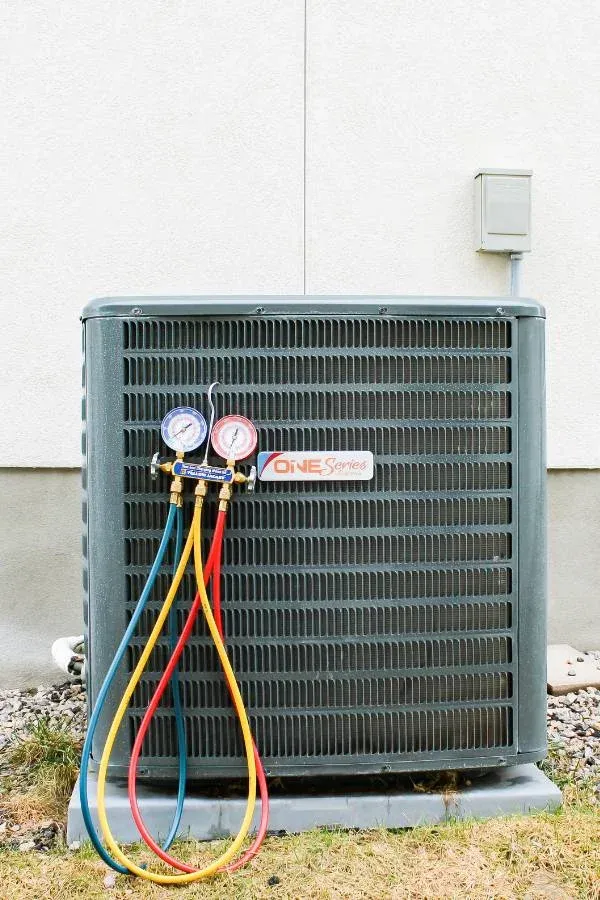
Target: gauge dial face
x=183, y=429
x=234, y=437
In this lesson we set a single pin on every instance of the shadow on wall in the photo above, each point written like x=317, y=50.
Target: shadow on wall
x=573, y=557
x=40, y=553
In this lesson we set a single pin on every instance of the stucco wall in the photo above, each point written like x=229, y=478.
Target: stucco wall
x=40, y=564
x=573, y=558
x=155, y=146
x=167, y=147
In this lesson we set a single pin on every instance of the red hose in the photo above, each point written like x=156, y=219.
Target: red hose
x=213, y=566
x=260, y=772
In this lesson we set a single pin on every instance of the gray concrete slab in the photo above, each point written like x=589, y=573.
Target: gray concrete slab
x=516, y=789
x=570, y=669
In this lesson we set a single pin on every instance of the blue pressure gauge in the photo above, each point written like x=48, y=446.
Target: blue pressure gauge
x=183, y=429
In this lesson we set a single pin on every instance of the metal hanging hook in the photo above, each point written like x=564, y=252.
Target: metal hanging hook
x=212, y=419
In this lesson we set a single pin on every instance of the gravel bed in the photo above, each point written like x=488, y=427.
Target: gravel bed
x=573, y=731
x=61, y=704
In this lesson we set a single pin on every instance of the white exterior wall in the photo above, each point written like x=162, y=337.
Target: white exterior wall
x=160, y=146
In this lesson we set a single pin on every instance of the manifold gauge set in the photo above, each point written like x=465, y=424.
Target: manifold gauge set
x=232, y=439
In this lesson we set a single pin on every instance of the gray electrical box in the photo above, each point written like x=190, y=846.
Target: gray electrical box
x=503, y=210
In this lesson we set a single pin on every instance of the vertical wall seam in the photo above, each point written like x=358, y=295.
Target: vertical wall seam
x=304, y=161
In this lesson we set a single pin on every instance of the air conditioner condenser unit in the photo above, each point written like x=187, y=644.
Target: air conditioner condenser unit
x=387, y=625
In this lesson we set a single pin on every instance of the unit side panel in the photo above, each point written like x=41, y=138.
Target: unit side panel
x=532, y=633
x=104, y=486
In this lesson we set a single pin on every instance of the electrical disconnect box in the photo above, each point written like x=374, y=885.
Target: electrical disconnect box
x=503, y=210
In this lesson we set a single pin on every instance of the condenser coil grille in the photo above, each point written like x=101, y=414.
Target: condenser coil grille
x=370, y=623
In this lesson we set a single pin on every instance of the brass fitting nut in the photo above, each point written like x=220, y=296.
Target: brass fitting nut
x=176, y=491
x=225, y=492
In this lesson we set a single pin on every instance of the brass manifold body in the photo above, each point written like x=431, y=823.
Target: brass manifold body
x=202, y=473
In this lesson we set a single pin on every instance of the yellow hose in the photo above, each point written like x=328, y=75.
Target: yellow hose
x=193, y=540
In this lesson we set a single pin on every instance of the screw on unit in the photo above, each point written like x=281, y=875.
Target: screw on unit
x=136, y=311
x=383, y=310
x=260, y=310
x=500, y=311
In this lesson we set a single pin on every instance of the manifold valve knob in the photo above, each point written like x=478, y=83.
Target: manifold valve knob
x=251, y=481
x=154, y=466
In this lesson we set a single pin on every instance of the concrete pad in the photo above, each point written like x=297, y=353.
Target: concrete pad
x=505, y=791
x=570, y=669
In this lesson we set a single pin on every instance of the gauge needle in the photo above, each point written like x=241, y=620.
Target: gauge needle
x=181, y=430
x=233, y=439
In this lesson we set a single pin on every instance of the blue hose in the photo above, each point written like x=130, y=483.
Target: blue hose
x=176, y=693
x=106, y=685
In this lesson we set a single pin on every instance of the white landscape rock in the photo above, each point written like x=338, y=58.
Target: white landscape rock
x=26, y=846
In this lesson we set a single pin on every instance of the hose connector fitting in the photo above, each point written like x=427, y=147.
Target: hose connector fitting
x=200, y=492
x=225, y=495
x=176, y=492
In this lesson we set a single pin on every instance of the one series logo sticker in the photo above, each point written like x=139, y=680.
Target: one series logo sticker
x=342, y=465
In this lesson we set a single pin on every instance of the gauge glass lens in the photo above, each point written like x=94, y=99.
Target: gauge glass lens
x=234, y=437
x=183, y=429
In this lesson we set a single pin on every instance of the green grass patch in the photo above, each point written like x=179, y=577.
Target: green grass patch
x=50, y=758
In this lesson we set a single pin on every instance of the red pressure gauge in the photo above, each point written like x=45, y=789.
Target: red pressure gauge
x=234, y=437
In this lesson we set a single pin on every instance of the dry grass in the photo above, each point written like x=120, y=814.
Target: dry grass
x=37, y=775
x=27, y=809
x=554, y=855
x=550, y=855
